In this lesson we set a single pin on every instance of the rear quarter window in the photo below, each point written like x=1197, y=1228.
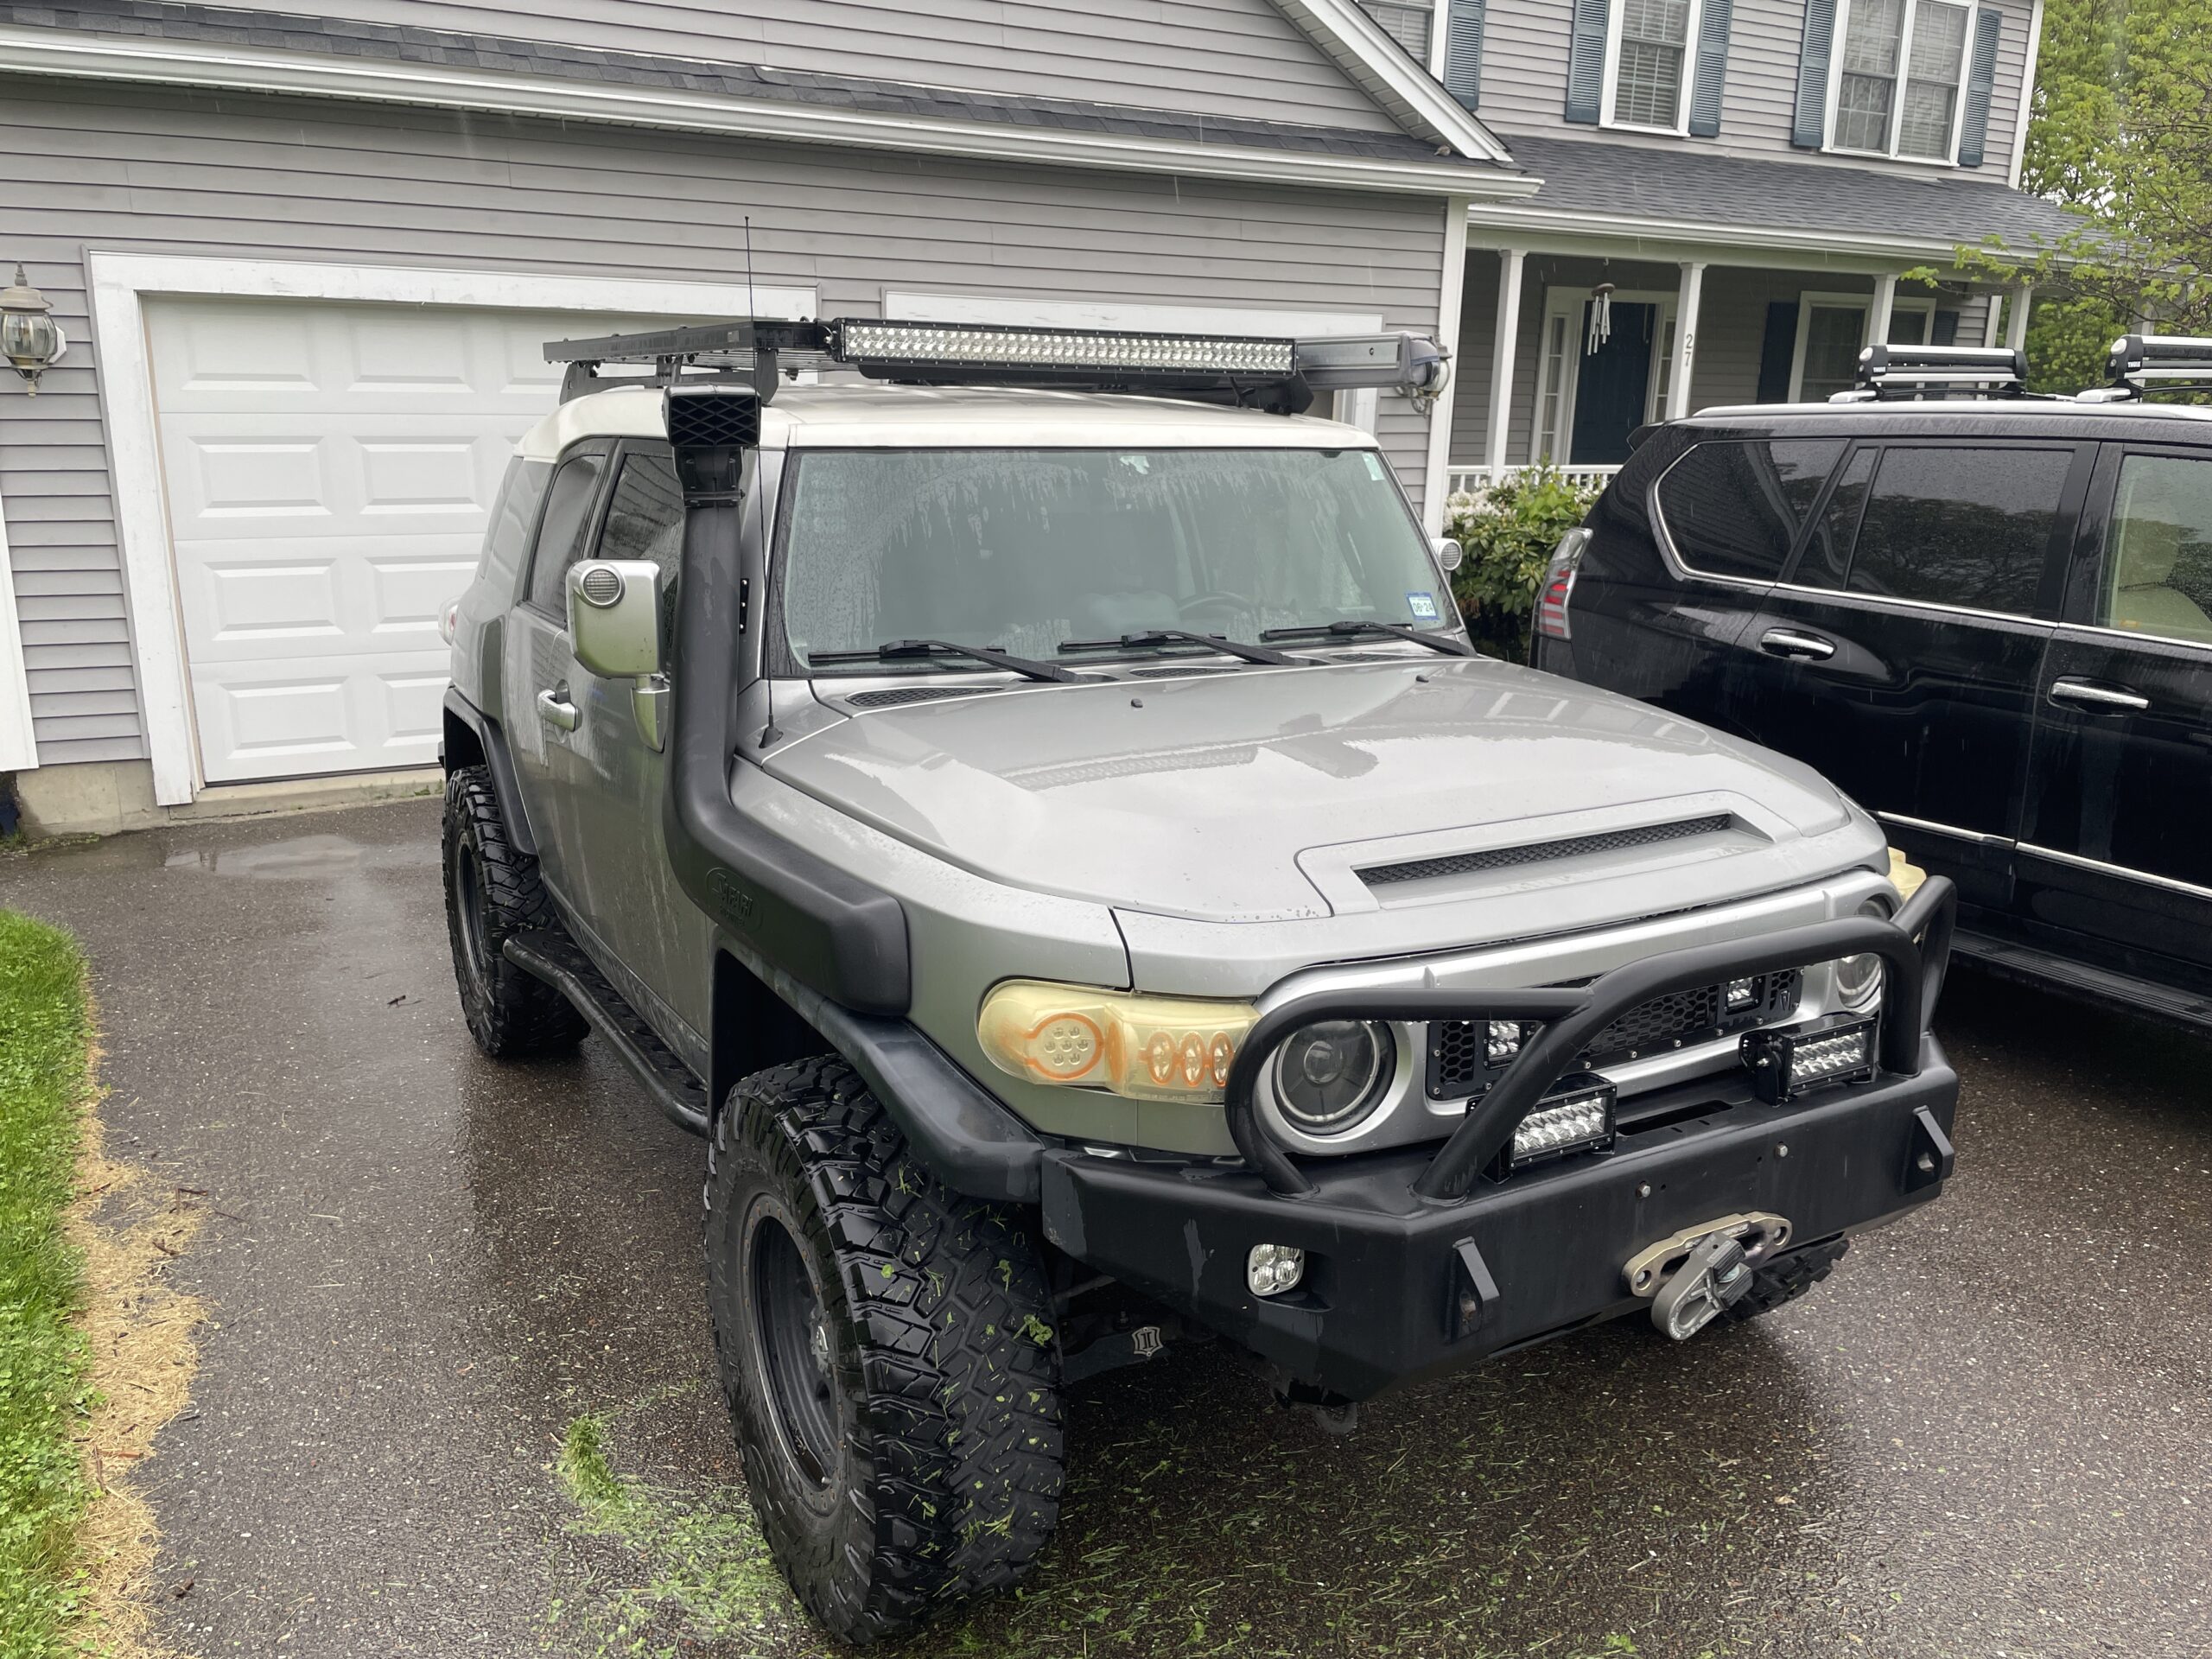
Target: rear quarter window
x=1733, y=507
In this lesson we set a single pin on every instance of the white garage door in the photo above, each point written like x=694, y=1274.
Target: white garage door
x=328, y=470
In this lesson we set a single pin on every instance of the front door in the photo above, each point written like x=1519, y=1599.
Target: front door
x=1901, y=656
x=2116, y=851
x=1612, y=388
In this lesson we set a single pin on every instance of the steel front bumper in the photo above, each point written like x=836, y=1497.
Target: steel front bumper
x=1383, y=1296
x=1417, y=1263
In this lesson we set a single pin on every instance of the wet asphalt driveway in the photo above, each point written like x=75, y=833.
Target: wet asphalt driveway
x=1988, y=1434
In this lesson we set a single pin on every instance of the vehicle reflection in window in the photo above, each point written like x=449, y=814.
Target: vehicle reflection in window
x=1023, y=549
x=2158, y=568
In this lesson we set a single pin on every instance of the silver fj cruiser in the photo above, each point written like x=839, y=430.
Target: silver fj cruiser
x=1027, y=800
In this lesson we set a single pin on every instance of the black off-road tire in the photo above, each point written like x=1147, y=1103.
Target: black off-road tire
x=934, y=1468
x=492, y=891
x=1788, y=1278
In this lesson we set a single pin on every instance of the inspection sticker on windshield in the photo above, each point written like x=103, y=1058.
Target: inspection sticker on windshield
x=1423, y=606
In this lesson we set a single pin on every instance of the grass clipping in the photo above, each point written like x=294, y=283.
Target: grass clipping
x=95, y=1350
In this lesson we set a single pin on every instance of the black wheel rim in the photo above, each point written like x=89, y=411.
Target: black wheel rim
x=468, y=910
x=794, y=1349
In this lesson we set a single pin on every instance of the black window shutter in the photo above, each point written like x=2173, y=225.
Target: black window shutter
x=1776, y=350
x=1981, y=81
x=1809, y=129
x=1712, y=70
x=1463, y=51
x=1585, y=65
x=1945, y=331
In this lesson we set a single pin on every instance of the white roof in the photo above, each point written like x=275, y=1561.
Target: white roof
x=846, y=416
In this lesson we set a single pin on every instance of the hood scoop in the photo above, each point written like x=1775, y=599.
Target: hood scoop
x=1541, y=852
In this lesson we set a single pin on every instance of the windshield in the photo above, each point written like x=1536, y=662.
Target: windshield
x=1031, y=549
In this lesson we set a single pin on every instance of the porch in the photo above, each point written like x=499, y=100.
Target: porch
x=1548, y=374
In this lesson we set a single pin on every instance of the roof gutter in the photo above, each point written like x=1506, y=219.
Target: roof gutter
x=1676, y=235
x=54, y=52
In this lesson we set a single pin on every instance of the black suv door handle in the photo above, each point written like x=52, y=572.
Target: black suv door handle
x=1788, y=642
x=2109, y=699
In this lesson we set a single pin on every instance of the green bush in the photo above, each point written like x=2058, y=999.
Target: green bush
x=1509, y=532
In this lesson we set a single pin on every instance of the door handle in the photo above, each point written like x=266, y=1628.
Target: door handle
x=1788, y=642
x=2110, y=699
x=555, y=709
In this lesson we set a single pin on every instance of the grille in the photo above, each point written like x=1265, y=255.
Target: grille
x=892, y=696
x=1458, y=1062
x=601, y=586
x=1537, y=852
x=701, y=417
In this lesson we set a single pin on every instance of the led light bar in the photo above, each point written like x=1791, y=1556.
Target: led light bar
x=1784, y=1064
x=909, y=345
x=1576, y=1116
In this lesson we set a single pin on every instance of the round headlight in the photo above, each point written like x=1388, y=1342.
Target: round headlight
x=1330, y=1075
x=1859, y=979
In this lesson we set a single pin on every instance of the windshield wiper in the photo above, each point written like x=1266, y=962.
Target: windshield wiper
x=1184, y=636
x=900, y=650
x=1350, y=630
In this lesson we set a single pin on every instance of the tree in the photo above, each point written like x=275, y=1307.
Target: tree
x=2120, y=129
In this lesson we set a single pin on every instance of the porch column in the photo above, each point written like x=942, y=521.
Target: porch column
x=1993, y=317
x=1686, y=304
x=2016, y=326
x=1509, y=261
x=1878, y=315
x=1436, y=471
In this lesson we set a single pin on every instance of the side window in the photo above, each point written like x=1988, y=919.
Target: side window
x=646, y=521
x=506, y=539
x=1954, y=526
x=1827, y=551
x=2157, y=568
x=561, y=535
x=1732, y=509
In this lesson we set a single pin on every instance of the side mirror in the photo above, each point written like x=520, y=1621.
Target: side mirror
x=614, y=617
x=1448, y=554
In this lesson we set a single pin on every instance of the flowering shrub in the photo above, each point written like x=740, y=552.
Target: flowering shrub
x=1509, y=531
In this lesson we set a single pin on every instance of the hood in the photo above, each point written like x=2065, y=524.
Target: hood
x=1265, y=794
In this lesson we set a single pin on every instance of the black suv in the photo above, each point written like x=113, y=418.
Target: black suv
x=1989, y=621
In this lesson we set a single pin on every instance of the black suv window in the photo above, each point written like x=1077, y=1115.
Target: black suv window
x=1732, y=509
x=1959, y=526
x=2158, y=550
x=561, y=533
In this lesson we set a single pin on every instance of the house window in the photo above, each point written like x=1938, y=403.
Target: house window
x=1831, y=329
x=1406, y=24
x=1648, y=59
x=1899, y=76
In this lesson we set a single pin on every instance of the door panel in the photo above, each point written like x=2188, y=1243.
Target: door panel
x=2116, y=855
x=1613, y=386
x=1903, y=659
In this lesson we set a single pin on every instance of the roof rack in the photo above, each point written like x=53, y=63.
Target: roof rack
x=2142, y=364
x=1889, y=371
x=1280, y=374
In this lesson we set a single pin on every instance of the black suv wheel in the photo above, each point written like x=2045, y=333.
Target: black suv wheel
x=886, y=1351
x=492, y=891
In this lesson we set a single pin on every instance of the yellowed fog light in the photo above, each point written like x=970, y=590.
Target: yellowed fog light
x=1145, y=1047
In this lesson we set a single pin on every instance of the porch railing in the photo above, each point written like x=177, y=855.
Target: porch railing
x=1476, y=480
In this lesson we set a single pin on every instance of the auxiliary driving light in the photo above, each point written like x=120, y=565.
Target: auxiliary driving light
x=1576, y=1116
x=1785, y=1064
x=1271, y=1270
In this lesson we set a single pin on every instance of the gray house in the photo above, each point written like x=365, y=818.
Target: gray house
x=305, y=263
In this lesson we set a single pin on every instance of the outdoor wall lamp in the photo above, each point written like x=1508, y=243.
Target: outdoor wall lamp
x=29, y=338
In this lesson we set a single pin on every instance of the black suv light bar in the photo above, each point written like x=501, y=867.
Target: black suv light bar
x=2141, y=363
x=1277, y=373
x=1923, y=371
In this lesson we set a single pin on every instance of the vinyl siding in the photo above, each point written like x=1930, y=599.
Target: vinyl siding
x=1218, y=57
x=1524, y=84
x=265, y=178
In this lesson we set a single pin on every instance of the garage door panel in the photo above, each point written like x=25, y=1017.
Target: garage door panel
x=330, y=472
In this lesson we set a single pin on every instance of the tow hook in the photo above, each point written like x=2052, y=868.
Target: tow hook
x=1716, y=1276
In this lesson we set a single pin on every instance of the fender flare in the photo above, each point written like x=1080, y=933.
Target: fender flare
x=468, y=727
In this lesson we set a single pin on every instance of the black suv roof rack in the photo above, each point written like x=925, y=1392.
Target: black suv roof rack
x=2142, y=364
x=1281, y=374
x=1892, y=372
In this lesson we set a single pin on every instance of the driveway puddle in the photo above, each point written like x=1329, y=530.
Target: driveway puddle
x=302, y=858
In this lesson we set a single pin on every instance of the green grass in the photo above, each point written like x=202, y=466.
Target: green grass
x=43, y=1394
